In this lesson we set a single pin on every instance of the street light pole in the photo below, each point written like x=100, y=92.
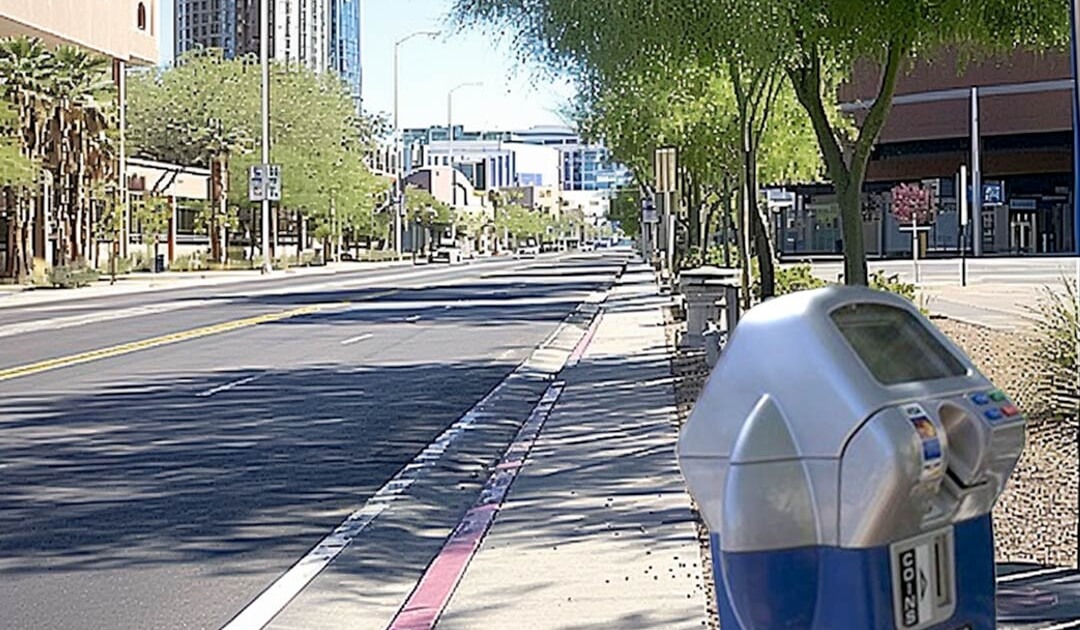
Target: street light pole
x=264, y=58
x=399, y=147
x=450, y=135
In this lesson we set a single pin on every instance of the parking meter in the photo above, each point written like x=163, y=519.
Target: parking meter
x=846, y=457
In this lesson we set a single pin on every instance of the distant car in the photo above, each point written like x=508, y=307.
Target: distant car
x=528, y=251
x=588, y=246
x=448, y=255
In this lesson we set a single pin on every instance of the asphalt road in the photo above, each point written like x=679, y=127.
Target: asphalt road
x=166, y=487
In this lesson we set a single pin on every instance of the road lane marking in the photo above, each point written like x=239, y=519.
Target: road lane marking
x=70, y=321
x=1023, y=575
x=273, y=600
x=357, y=339
x=270, y=602
x=429, y=599
x=227, y=386
x=154, y=342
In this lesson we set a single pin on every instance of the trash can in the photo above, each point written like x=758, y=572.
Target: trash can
x=846, y=457
x=159, y=263
x=712, y=295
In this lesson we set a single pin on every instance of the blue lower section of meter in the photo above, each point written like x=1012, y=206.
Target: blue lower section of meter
x=828, y=588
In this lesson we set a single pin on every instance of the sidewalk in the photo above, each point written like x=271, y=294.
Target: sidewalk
x=993, y=305
x=596, y=531
x=13, y=295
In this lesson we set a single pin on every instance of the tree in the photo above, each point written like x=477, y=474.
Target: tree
x=426, y=212
x=625, y=211
x=63, y=100
x=815, y=43
x=206, y=111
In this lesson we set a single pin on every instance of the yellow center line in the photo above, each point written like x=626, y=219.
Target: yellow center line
x=195, y=333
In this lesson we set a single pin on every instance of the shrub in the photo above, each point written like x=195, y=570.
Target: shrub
x=73, y=275
x=189, y=262
x=1056, y=335
x=878, y=280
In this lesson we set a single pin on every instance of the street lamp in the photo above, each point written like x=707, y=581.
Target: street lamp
x=450, y=133
x=264, y=60
x=399, y=146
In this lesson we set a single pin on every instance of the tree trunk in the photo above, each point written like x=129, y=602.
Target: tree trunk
x=744, y=241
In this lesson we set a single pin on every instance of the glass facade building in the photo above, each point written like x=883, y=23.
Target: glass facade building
x=345, y=45
x=590, y=168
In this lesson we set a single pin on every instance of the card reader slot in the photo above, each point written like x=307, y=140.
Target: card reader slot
x=960, y=485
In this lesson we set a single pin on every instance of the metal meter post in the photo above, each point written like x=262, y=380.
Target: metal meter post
x=851, y=484
x=962, y=202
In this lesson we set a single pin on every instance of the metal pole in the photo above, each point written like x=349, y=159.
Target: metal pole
x=1074, y=18
x=962, y=199
x=450, y=147
x=125, y=209
x=976, y=175
x=399, y=157
x=264, y=57
x=915, y=247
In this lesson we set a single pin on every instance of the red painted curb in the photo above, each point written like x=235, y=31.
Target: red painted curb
x=432, y=594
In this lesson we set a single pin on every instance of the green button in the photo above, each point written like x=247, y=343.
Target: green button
x=997, y=396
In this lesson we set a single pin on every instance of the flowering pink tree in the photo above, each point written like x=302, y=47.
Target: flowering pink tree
x=912, y=203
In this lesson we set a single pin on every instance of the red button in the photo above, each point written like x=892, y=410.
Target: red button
x=1010, y=411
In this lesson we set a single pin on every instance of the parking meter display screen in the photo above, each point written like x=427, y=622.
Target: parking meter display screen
x=894, y=345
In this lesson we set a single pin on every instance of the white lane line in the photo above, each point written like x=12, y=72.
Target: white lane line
x=1075, y=623
x=227, y=386
x=273, y=600
x=1023, y=575
x=357, y=339
x=71, y=321
x=268, y=604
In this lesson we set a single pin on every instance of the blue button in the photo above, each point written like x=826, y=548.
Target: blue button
x=980, y=399
x=993, y=414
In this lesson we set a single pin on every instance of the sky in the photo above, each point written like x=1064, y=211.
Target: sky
x=512, y=96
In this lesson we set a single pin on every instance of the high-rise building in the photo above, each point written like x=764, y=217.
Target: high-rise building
x=345, y=44
x=319, y=34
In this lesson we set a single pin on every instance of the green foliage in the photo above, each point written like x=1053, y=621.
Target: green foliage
x=422, y=208
x=207, y=107
x=696, y=257
x=882, y=282
x=625, y=210
x=520, y=222
x=789, y=279
x=152, y=215
x=1056, y=336
x=57, y=114
x=15, y=168
x=72, y=275
x=641, y=55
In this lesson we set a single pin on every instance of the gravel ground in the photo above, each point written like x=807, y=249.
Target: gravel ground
x=1036, y=518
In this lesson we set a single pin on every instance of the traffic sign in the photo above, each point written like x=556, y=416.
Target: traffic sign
x=273, y=182
x=264, y=182
x=257, y=183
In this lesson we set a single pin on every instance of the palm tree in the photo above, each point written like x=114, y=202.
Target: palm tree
x=83, y=154
x=25, y=67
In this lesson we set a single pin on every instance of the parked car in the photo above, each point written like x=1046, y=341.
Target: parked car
x=448, y=255
x=528, y=249
x=588, y=246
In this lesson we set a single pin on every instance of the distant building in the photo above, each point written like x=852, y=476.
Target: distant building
x=318, y=34
x=590, y=168
x=345, y=45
